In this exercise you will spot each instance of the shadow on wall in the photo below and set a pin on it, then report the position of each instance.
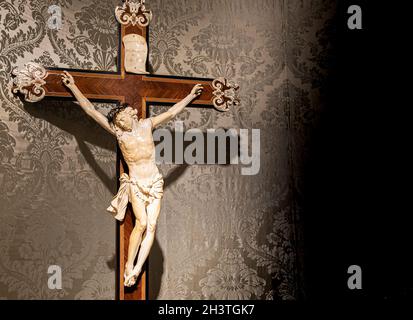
(68, 117)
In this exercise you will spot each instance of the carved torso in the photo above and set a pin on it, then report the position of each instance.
(138, 149)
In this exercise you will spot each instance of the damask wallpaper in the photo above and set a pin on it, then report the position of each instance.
(58, 169)
(221, 235)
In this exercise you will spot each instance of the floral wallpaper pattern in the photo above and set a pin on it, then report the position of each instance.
(220, 235)
(57, 169)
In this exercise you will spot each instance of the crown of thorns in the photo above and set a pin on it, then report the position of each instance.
(112, 113)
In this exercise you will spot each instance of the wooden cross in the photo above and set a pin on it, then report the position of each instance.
(34, 83)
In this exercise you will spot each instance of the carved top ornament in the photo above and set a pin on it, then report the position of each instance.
(29, 81)
(133, 13)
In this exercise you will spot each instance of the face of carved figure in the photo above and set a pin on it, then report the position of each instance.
(124, 119)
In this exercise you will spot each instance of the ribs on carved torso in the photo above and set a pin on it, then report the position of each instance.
(138, 150)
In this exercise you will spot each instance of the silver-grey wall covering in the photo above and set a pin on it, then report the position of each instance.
(221, 235)
(58, 168)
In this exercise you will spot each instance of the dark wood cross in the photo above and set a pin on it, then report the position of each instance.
(122, 87)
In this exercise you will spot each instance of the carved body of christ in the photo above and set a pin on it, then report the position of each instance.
(143, 187)
(134, 136)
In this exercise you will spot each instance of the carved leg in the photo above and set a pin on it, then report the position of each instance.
(136, 236)
(153, 210)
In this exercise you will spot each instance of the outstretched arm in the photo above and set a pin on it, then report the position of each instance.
(86, 105)
(177, 108)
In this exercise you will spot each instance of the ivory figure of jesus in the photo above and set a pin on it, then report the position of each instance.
(143, 186)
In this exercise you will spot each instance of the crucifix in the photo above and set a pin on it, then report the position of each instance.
(134, 86)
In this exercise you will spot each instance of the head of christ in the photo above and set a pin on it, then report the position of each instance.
(122, 117)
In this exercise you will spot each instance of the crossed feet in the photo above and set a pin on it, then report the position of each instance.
(131, 275)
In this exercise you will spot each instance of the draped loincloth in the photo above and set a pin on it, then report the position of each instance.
(147, 192)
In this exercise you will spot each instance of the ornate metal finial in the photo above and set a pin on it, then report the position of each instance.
(133, 13)
(225, 94)
(29, 81)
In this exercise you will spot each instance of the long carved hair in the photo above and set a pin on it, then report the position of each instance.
(112, 113)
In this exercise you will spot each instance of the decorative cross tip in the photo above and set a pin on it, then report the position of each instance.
(133, 13)
(29, 81)
(225, 94)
